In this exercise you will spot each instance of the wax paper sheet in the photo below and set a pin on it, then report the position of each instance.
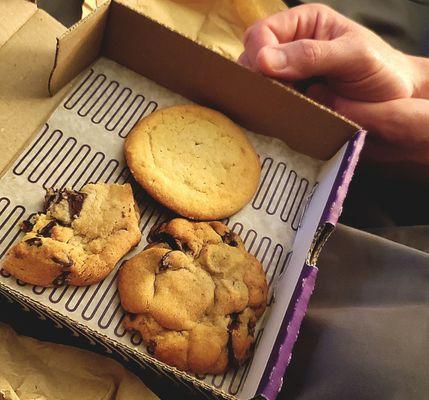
(31, 370)
(216, 24)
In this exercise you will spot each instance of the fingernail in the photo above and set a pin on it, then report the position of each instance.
(243, 60)
(275, 58)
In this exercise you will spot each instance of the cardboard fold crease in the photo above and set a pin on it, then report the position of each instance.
(163, 55)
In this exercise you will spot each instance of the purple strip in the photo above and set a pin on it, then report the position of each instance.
(272, 379)
(281, 354)
(334, 205)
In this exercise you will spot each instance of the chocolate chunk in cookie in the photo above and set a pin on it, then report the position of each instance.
(26, 226)
(46, 230)
(63, 277)
(52, 196)
(196, 306)
(34, 241)
(65, 203)
(231, 239)
(79, 238)
(75, 200)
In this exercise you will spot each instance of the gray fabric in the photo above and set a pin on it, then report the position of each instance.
(67, 12)
(416, 237)
(403, 23)
(367, 329)
(366, 333)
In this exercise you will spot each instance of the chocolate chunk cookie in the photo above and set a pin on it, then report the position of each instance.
(194, 161)
(78, 238)
(195, 295)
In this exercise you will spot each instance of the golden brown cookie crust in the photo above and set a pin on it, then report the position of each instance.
(195, 295)
(193, 160)
(79, 238)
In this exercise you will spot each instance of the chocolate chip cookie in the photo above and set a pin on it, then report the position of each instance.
(194, 161)
(195, 295)
(78, 238)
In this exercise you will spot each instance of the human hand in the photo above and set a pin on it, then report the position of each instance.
(364, 78)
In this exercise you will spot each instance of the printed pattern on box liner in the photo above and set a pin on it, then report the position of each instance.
(122, 353)
(82, 142)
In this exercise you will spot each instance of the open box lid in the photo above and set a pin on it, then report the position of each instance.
(153, 50)
(117, 32)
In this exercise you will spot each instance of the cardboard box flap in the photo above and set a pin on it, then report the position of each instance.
(63, 153)
(11, 20)
(163, 55)
(26, 60)
(77, 48)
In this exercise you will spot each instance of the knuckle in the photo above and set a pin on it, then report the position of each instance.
(260, 28)
(370, 56)
(253, 29)
(311, 51)
(261, 56)
(365, 50)
(258, 37)
(253, 33)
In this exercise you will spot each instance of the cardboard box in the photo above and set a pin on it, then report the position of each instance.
(184, 67)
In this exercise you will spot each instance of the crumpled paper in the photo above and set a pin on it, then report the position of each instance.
(34, 370)
(216, 24)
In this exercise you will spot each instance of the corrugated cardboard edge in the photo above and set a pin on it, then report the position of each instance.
(82, 55)
(281, 353)
(334, 205)
(88, 6)
(339, 191)
(275, 107)
(110, 343)
(162, 365)
(70, 60)
(274, 82)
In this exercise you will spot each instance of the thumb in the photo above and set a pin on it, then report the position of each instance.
(303, 59)
(398, 129)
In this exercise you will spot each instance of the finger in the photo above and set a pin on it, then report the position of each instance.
(305, 58)
(244, 60)
(398, 129)
(260, 36)
(308, 21)
(402, 122)
(379, 152)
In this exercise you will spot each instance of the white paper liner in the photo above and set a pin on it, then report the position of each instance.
(83, 142)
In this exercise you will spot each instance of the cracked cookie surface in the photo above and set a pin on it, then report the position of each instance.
(193, 160)
(195, 295)
(79, 237)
